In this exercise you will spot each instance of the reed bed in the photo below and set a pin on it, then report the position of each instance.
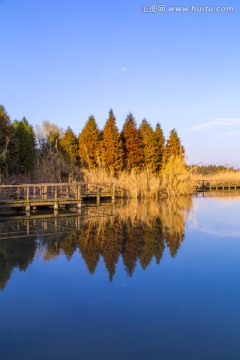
(222, 176)
(174, 180)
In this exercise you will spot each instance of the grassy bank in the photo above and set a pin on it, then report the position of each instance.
(174, 180)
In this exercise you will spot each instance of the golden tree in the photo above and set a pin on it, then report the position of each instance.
(161, 152)
(151, 150)
(132, 144)
(174, 146)
(89, 144)
(112, 147)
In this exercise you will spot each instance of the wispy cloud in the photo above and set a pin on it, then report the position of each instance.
(230, 233)
(214, 124)
(232, 133)
(124, 68)
(219, 233)
(103, 79)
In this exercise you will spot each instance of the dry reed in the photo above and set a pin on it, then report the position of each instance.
(174, 180)
(227, 175)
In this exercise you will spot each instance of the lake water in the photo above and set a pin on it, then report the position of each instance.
(140, 281)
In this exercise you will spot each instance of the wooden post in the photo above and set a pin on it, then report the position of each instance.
(55, 208)
(113, 192)
(78, 191)
(45, 225)
(79, 197)
(28, 208)
(45, 192)
(27, 193)
(98, 195)
(55, 193)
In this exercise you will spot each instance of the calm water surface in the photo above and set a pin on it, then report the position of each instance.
(145, 281)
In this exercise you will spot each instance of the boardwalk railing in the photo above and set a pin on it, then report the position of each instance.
(209, 185)
(33, 195)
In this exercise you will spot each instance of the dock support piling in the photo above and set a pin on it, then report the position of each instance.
(98, 196)
(28, 210)
(113, 192)
(79, 207)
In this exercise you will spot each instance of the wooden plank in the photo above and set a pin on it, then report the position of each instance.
(53, 194)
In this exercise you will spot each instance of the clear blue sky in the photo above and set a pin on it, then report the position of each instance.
(62, 61)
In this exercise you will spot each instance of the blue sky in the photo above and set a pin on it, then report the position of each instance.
(62, 61)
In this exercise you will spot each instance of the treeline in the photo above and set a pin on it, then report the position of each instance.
(48, 153)
(211, 169)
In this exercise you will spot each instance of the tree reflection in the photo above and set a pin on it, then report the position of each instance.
(139, 233)
(15, 253)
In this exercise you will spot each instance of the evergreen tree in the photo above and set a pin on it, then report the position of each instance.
(27, 145)
(69, 145)
(112, 147)
(132, 144)
(8, 146)
(5, 134)
(161, 146)
(152, 156)
(174, 146)
(89, 144)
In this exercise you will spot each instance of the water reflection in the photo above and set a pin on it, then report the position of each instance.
(136, 231)
(219, 218)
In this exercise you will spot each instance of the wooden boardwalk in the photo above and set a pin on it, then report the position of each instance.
(216, 185)
(32, 196)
